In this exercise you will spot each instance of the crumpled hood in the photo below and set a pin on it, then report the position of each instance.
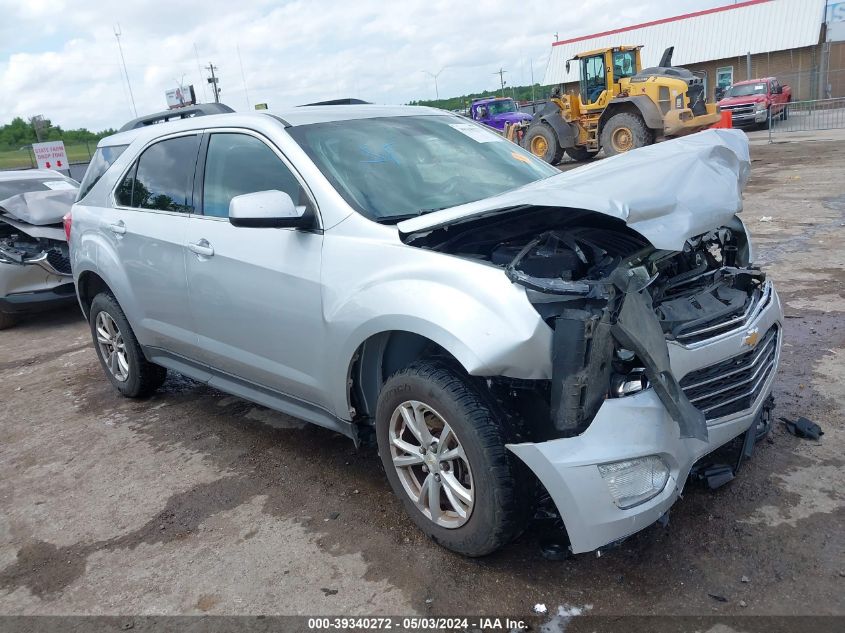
(40, 207)
(668, 192)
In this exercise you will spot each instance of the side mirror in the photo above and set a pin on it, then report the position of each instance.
(567, 66)
(268, 209)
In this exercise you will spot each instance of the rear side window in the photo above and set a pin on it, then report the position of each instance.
(104, 158)
(237, 164)
(162, 178)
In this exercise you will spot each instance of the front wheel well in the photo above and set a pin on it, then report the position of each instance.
(618, 108)
(377, 359)
(89, 285)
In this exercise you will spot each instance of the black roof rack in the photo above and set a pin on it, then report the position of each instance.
(346, 101)
(200, 109)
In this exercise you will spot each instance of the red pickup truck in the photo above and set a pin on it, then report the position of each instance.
(750, 102)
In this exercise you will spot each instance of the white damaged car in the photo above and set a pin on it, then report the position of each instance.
(503, 332)
(34, 265)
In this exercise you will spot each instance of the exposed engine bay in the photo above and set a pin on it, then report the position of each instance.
(17, 247)
(613, 300)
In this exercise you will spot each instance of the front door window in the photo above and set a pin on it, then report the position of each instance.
(592, 78)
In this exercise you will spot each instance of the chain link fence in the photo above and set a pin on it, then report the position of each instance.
(808, 116)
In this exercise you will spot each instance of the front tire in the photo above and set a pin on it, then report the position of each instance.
(580, 154)
(442, 443)
(624, 132)
(119, 352)
(7, 320)
(541, 140)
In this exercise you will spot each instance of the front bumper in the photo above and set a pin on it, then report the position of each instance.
(749, 118)
(31, 287)
(639, 426)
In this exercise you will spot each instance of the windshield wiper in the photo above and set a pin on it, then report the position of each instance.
(393, 219)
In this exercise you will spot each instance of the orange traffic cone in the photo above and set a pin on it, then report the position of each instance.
(726, 122)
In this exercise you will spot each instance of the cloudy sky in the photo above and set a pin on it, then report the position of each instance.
(61, 59)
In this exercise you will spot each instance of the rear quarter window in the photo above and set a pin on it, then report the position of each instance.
(104, 158)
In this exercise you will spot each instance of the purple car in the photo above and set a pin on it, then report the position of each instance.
(496, 111)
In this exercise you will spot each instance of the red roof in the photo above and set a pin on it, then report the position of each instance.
(729, 7)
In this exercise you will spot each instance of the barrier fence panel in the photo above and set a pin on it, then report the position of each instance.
(808, 116)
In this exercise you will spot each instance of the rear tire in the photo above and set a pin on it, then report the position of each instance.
(541, 140)
(580, 154)
(495, 494)
(118, 350)
(7, 320)
(624, 132)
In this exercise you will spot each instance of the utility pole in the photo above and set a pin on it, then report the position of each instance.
(117, 34)
(213, 81)
(501, 72)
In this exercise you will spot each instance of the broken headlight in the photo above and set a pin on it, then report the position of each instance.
(628, 376)
(628, 384)
(635, 481)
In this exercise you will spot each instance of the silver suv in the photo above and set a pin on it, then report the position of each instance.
(503, 332)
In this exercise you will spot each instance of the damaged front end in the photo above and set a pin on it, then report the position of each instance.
(665, 338)
(658, 356)
(35, 271)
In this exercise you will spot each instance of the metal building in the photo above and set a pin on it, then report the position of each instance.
(789, 39)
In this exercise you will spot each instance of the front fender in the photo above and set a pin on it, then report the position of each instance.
(470, 309)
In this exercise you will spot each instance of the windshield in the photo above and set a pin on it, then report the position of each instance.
(104, 157)
(744, 90)
(500, 107)
(392, 168)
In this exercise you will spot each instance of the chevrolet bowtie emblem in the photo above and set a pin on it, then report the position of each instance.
(751, 337)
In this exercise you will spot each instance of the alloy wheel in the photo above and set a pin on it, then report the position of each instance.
(431, 464)
(112, 347)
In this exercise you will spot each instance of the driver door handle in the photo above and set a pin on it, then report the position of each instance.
(118, 228)
(201, 248)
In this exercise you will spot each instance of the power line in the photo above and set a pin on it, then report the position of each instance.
(243, 75)
(117, 34)
(199, 70)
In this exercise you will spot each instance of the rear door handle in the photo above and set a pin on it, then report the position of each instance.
(201, 248)
(118, 228)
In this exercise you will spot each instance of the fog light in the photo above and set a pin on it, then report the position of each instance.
(635, 481)
(634, 381)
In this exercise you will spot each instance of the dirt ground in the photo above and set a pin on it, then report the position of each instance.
(197, 502)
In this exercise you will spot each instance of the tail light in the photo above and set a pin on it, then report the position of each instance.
(66, 222)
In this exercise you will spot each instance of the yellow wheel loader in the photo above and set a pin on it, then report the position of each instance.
(621, 106)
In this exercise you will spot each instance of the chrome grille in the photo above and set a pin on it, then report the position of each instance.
(743, 108)
(58, 261)
(733, 385)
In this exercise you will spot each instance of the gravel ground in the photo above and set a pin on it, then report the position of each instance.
(197, 502)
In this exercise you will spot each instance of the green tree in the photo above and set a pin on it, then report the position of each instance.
(520, 93)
